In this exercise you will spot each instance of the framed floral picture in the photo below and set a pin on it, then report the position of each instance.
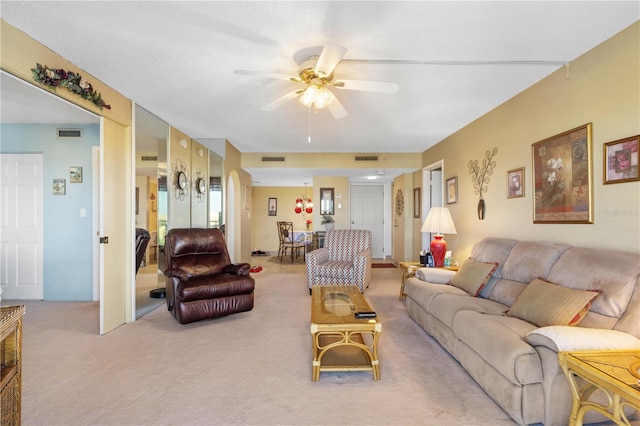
(620, 160)
(562, 174)
(515, 183)
(452, 190)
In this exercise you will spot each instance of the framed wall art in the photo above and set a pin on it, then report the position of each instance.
(452, 190)
(326, 201)
(563, 187)
(59, 187)
(620, 160)
(273, 206)
(75, 174)
(416, 202)
(515, 183)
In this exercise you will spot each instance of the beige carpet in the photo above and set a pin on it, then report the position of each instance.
(248, 368)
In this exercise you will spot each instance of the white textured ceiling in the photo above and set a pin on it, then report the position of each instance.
(177, 60)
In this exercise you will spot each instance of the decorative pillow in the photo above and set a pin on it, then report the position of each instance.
(543, 303)
(473, 275)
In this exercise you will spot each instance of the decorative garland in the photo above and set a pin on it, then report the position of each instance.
(53, 77)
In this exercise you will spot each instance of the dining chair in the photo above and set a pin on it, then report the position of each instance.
(287, 242)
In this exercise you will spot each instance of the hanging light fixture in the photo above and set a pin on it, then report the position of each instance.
(318, 96)
(304, 204)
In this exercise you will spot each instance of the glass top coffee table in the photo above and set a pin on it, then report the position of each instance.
(342, 342)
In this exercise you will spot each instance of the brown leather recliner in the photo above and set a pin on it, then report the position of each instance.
(202, 283)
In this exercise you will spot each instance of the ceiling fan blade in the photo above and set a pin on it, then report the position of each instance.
(368, 86)
(281, 100)
(337, 110)
(267, 75)
(330, 57)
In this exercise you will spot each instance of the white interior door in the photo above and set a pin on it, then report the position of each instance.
(21, 226)
(367, 212)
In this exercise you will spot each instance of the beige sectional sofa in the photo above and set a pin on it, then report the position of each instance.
(491, 334)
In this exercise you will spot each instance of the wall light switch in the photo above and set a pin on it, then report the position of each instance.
(83, 212)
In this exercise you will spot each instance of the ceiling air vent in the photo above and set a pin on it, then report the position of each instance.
(271, 159)
(69, 133)
(149, 158)
(366, 158)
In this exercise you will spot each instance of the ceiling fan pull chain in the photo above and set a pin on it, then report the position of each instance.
(309, 128)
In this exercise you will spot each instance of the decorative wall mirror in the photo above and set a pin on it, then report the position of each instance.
(326, 201)
(151, 136)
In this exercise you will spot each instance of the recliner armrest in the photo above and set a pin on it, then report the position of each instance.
(237, 269)
(178, 273)
(565, 338)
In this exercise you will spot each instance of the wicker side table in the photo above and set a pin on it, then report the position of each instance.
(10, 364)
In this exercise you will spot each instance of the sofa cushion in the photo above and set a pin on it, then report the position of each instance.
(615, 274)
(445, 307)
(531, 259)
(424, 292)
(500, 341)
(473, 275)
(544, 303)
(491, 249)
(334, 269)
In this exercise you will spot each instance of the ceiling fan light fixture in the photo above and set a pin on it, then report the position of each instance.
(318, 96)
(324, 97)
(309, 95)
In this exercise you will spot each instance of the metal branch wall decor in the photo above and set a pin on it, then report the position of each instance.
(480, 177)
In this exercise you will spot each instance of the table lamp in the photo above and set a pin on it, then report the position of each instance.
(439, 221)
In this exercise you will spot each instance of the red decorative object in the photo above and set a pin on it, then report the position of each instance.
(298, 210)
(438, 250)
(309, 210)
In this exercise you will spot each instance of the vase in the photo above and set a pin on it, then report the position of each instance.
(481, 208)
(328, 226)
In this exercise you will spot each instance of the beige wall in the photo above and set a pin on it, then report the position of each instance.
(340, 185)
(603, 89)
(264, 234)
(241, 221)
(179, 160)
(199, 169)
(264, 231)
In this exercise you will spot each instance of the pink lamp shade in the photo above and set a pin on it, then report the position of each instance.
(439, 221)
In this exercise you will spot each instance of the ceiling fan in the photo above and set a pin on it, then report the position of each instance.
(317, 74)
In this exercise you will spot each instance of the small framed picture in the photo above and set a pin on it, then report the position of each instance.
(416, 202)
(59, 187)
(75, 174)
(452, 190)
(273, 207)
(621, 160)
(515, 183)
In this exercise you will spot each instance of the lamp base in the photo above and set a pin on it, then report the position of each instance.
(438, 250)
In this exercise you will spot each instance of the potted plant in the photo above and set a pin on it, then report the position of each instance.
(328, 222)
